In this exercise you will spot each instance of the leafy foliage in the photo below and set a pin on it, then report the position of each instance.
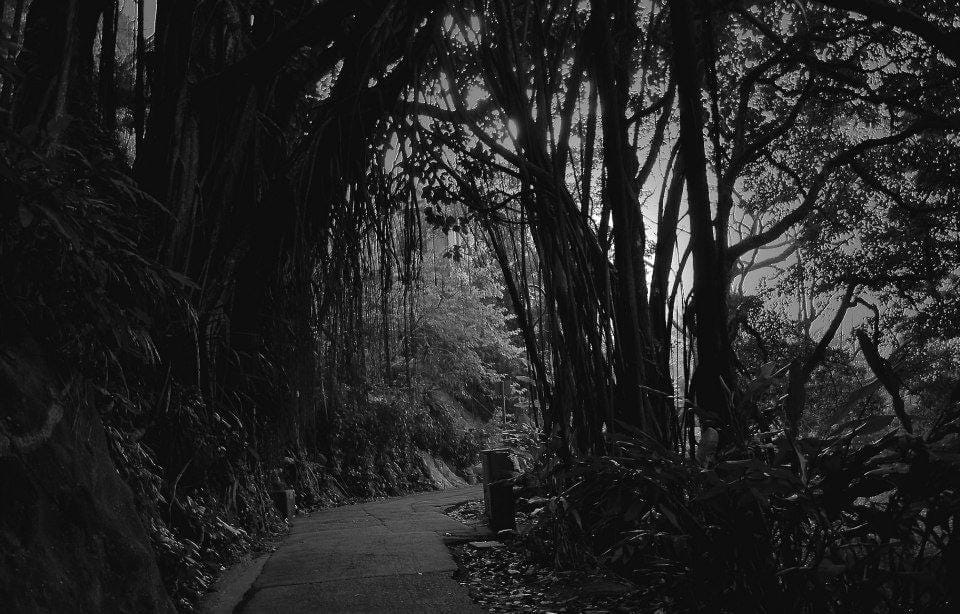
(460, 336)
(862, 519)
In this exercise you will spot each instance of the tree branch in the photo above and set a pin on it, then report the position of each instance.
(886, 375)
(946, 41)
(820, 180)
(816, 357)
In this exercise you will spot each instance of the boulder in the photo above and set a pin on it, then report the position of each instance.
(70, 536)
(439, 473)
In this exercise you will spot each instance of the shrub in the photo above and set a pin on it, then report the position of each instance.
(863, 520)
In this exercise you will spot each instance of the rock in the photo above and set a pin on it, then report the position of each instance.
(70, 536)
(439, 472)
(529, 504)
(470, 474)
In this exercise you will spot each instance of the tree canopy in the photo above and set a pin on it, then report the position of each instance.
(711, 249)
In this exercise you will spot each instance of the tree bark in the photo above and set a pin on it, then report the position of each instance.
(56, 97)
(108, 66)
(713, 378)
(523, 320)
(628, 228)
(139, 88)
(663, 259)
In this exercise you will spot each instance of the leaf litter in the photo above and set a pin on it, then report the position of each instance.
(508, 578)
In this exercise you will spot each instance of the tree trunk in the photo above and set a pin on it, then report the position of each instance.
(56, 95)
(713, 379)
(139, 88)
(523, 321)
(108, 67)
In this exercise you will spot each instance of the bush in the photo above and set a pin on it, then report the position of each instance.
(862, 520)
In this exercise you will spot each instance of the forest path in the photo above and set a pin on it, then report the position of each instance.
(382, 556)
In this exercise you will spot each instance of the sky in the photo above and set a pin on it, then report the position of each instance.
(128, 8)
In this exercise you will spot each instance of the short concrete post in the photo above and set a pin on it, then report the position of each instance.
(283, 500)
(498, 501)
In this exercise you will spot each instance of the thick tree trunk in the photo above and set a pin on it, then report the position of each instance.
(713, 380)
(643, 390)
(628, 228)
(575, 271)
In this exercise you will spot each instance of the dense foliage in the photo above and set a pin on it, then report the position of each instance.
(697, 262)
(859, 519)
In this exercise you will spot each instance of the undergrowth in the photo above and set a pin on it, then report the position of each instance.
(863, 519)
(81, 290)
(376, 441)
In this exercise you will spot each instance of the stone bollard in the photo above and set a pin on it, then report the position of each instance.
(283, 500)
(498, 471)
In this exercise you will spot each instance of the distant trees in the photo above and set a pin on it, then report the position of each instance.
(447, 328)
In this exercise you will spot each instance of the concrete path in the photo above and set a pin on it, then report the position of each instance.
(382, 556)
